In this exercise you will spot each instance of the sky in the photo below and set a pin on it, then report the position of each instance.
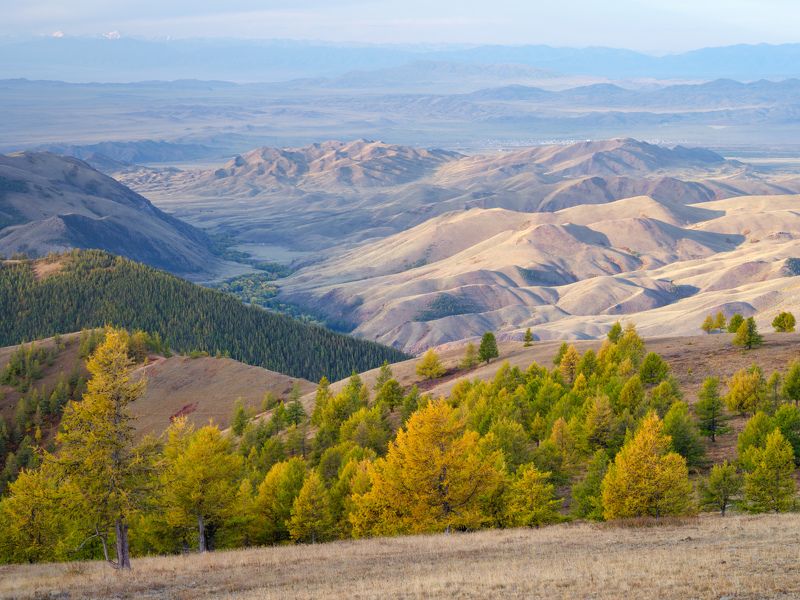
(651, 26)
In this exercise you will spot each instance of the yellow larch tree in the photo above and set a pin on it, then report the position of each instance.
(200, 482)
(96, 449)
(311, 519)
(646, 479)
(432, 479)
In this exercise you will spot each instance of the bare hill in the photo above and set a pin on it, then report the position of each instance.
(571, 273)
(50, 203)
(341, 193)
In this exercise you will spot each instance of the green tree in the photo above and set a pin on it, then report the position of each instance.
(295, 413)
(784, 322)
(562, 350)
(654, 369)
(747, 335)
(384, 375)
(528, 338)
(312, 520)
(599, 425)
(366, 428)
(632, 394)
(735, 322)
(588, 492)
(721, 488)
(787, 419)
(679, 426)
(430, 367)
(239, 419)
(754, 434)
(390, 395)
(275, 499)
(488, 348)
(615, 333)
(770, 485)
(709, 410)
(791, 383)
(719, 321)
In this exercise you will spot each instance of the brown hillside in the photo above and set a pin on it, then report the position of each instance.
(203, 389)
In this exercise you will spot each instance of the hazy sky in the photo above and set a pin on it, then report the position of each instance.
(658, 26)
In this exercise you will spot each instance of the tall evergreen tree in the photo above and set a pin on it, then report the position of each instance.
(709, 410)
(488, 348)
(528, 338)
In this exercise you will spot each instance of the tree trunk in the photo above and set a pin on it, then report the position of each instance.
(123, 546)
(201, 533)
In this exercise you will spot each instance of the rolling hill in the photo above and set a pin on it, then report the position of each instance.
(200, 388)
(50, 203)
(85, 289)
(570, 273)
(332, 194)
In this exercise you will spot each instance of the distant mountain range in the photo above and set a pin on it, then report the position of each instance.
(129, 59)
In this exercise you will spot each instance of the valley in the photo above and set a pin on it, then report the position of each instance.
(417, 248)
(444, 311)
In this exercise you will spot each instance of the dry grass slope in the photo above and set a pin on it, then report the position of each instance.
(736, 557)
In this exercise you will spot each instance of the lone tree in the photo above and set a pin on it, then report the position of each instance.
(528, 338)
(430, 367)
(709, 409)
(747, 335)
(784, 322)
(96, 449)
(488, 348)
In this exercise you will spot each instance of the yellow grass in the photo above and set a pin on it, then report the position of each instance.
(711, 557)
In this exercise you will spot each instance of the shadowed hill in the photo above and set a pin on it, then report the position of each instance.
(50, 203)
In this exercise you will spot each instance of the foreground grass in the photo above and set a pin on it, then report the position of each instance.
(710, 557)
